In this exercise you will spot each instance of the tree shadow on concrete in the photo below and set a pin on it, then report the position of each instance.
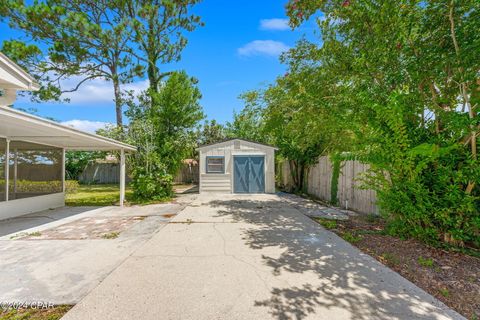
(338, 279)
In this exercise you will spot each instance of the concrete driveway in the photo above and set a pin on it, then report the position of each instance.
(253, 257)
(58, 256)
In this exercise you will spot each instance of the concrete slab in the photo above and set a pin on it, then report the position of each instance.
(10, 227)
(253, 257)
(64, 271)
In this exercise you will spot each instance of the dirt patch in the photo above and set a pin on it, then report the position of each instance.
(452, 277)
(86, 228)
(168, 215)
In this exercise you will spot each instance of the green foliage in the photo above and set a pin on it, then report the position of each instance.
(395, 86)
(390, 258)
(425, 262)
(77, 161)
(163, 127)
(158, 29)
(153, 185)
(327, 223)
(248, 123)
(211, 132)
(444, 292)
(351, 237)
(113, 40)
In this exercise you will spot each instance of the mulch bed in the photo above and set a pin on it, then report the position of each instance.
(452, 277)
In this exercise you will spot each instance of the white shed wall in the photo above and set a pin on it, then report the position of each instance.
(223, 183)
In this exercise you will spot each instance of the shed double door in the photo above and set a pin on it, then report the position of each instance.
(249, 174)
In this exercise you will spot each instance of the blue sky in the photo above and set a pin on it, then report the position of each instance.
(236, 50)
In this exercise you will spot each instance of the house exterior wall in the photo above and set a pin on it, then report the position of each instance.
(223, 183)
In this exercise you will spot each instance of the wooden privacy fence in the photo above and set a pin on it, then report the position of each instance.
(319, 184)
(101, 173)
(109, 173)
(187, 174)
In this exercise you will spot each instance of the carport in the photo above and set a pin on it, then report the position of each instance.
(32, 161)
(32, 150)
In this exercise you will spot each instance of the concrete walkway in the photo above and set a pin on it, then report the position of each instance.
(253, 257)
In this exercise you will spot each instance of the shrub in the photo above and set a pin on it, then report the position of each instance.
(155, 185)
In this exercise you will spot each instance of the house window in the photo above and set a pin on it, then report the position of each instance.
(215, 164)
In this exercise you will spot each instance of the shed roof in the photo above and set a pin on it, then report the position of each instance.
(230, 139)
(18, 125)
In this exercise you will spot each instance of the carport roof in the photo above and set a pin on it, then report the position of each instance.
(18, 125)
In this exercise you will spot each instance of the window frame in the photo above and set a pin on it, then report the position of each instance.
(214, 172)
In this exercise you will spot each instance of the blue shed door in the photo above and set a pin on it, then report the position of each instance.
(249, 174)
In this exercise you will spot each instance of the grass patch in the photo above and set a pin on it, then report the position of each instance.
(444, 292)
(390, 258)
(34, 234)
(425, 262)
(327, 223)
(99, 195)
(54, 313)
(351, 237)
(111, 235)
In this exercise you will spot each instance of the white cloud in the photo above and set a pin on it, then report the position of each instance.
(263, 47)
(86, 125)
(274, 24)
(97, 90)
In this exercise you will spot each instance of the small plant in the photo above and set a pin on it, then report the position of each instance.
(111, 235)
(390, 258)
(34, 234)
(425, 262)
(350, 237)
(327, 224)
(444, 292)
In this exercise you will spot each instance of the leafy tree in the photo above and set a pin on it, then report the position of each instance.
(405, 75)
(211, 132)
(158, 28)
(77, 161)
(163, 126)
(248, 123)
(83, 39)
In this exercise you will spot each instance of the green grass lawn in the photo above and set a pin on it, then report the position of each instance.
(97, 195)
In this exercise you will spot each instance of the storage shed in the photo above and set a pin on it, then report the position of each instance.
(237, 166)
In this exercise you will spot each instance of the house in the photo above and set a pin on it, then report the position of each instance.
(237, 166)
(32, 150)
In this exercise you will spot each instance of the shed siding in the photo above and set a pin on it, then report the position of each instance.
(223, 183)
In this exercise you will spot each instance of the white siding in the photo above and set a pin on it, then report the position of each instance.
(223, 183)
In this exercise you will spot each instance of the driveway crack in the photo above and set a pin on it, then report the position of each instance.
(255, 269)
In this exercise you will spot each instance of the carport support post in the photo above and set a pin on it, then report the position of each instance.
(7, 169)
(63, 170)
(122, 177)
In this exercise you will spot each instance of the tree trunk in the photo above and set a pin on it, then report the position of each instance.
(118, 101)
(293, 172)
